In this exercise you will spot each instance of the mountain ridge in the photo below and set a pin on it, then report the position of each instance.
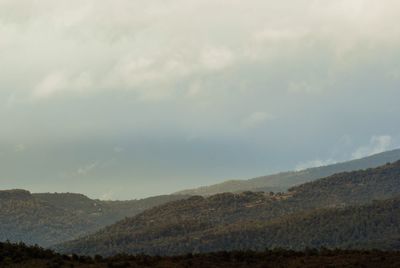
(187, 226)
(50, 218)
(282, 181)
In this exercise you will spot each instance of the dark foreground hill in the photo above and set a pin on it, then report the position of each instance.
(13, 255)
(334, 212)
(46, 219)
(285, 180)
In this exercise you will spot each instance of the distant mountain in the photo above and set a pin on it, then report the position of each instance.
(255, 220)
(285, 180)
(46, 219)
(103, 212)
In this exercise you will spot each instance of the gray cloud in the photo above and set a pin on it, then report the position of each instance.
(377, 144)
(201, 90)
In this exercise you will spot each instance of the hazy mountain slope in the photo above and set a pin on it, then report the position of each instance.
(47, 219)
(183, 226)
(25, 218)
(283, 181)
(103, 212)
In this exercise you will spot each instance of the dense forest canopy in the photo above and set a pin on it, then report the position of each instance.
(252, 220)
(20, 255)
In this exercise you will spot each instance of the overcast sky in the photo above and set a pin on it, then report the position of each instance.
(131, 98)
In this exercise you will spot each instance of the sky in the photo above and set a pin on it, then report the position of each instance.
(127, 99)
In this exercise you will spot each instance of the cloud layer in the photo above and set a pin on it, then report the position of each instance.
(215, 88)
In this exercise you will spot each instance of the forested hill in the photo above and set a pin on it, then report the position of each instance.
(201, 224)
(46, 219)
(20, 255)
(373, 226)
(283, 181)
(104, 212)
(28, 219)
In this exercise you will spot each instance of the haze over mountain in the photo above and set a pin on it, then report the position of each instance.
(285, 180)
(351, 209)
(169, 127)
(47, 219)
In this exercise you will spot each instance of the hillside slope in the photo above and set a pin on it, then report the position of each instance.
(370, 226)
(360, 227)
(101, 211)
(189, 225)
(46, 219)
(19, 255)
(283, 181)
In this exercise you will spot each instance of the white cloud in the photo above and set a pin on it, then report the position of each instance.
(377, 144)
(118, 149)
(214, 58)
(273, 35)
(304, 87)
(60, 82)
(10, 101)
(20, 148)
(146, 76)
(314, 163)
(194, 90)
(256, 119)
(152, 45)
(50, 85)
(394, 74)
(87, 168)
(110, 195)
